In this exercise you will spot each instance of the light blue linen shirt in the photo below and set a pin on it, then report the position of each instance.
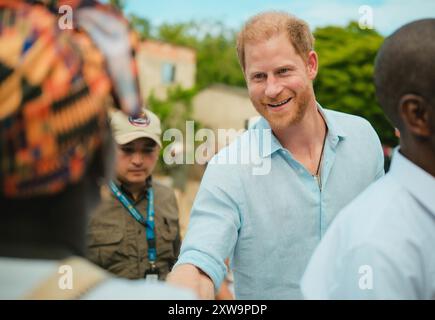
(269, 218)
(381, 246)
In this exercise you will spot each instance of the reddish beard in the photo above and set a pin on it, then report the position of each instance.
(294, 114)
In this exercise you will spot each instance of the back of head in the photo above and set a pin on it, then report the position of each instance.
(56, 144)
(268, 24)
(53, 119)
(405, 65)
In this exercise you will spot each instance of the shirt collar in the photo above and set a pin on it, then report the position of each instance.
(414, 179)
(335, 133)
(334, 129)
(142, 195)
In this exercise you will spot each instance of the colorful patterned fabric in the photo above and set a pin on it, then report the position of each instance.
(112, 37)
(53, 89)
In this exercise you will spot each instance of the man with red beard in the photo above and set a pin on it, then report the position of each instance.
(269, 222)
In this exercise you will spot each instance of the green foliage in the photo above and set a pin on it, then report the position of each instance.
(215, 47)
(164, 108)
(120, 4)
(173, 113)
(345, 78)
(178, 33)
(141, 25)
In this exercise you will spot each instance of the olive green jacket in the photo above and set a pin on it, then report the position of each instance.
(117, 242)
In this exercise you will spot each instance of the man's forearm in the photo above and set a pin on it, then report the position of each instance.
(188, 275)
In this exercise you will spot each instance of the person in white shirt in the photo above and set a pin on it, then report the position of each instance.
(381, 246)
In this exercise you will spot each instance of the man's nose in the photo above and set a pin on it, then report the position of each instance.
(137, 158)
(273, 87)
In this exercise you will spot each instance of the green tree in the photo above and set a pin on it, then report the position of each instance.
(215, 47)
(173, 113)
(345, 79)
(141, 25)
(120, 4)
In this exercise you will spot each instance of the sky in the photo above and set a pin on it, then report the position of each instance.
(388, 15)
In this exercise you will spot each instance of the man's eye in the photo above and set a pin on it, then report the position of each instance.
(259, 76)
(283, 70)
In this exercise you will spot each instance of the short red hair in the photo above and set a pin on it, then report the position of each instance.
(268, 24)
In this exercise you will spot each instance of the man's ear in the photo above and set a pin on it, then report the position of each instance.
(415, 115)
(312, 64)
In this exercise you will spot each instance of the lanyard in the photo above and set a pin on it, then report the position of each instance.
(148, 222)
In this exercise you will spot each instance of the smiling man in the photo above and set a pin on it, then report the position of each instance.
(134, 233)
(320, 160)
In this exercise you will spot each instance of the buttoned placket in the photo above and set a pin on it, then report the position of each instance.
(317, 186)
(311, 181)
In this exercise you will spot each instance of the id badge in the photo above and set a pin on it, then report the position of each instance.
(152, 275)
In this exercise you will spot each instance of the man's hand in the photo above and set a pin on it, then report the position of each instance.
(189, 276)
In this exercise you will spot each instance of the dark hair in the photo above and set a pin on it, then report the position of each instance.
(405, 65)
(150, 143)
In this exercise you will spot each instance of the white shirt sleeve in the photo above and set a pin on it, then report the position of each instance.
(124, 289)
(363, 272)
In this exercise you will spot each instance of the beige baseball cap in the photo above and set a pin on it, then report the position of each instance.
(126, 129)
